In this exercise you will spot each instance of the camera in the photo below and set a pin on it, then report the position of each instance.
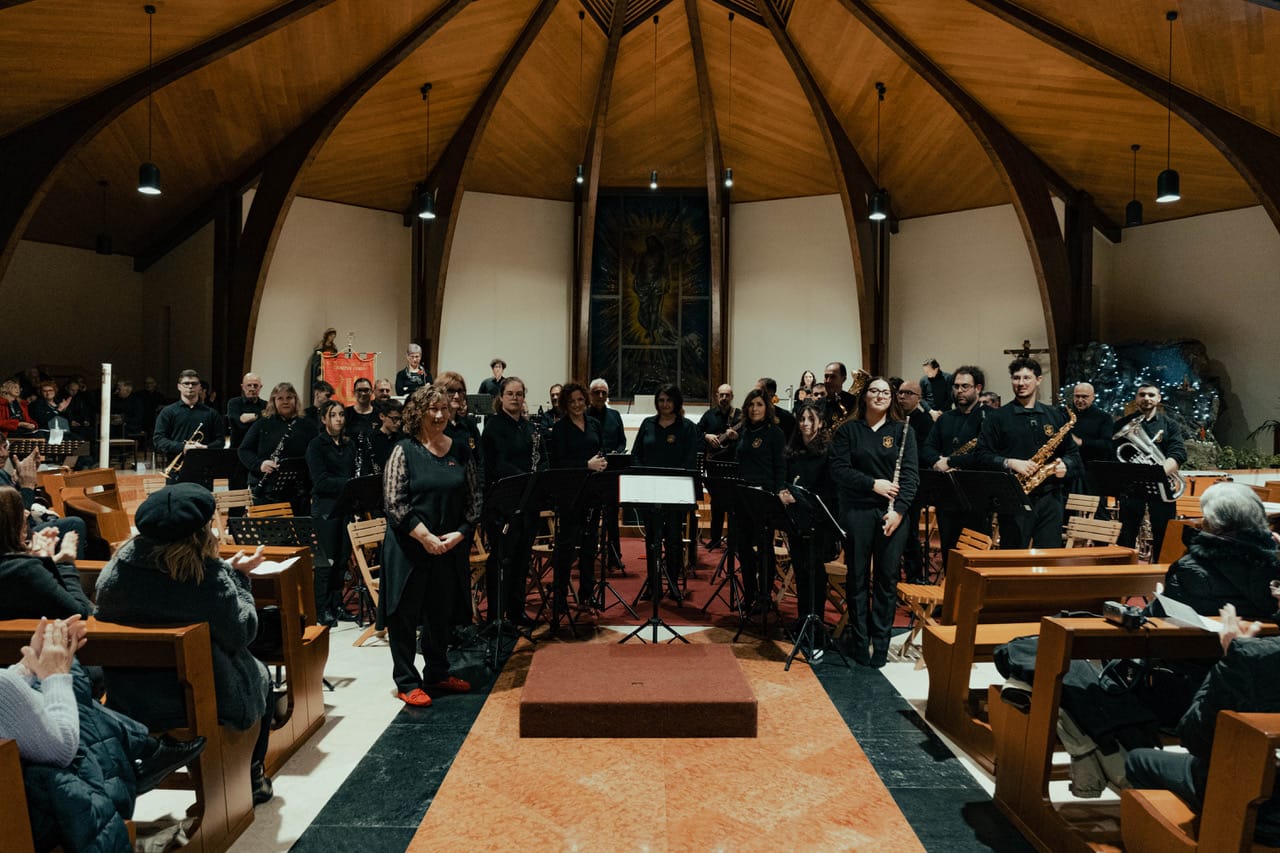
(1124, 615)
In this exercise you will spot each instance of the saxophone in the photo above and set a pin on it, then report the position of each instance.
(1043, 470)
(967, 447)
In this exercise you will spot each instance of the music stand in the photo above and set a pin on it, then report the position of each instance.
(360, 496)
(991, 491)
(724, 476)
(507, 502)
(205, 466)
(558, 490)
(765, 513)
(291, 479)
(656, 489)
(1127, 479)
(807, 515)
(939, 490)
(600, 493)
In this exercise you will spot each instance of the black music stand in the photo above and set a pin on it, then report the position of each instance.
(600, 494)
(205, 466)
(1127, 479)
(291, 479)
(724, 476)
(939, 490)
(765, 513)
(991, 491)
(508, 502)
(807, 515)
(558, 490)
(657, 489)
(360, 496)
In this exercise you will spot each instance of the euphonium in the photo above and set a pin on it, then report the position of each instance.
(1139, 447)
(176, 465)
(1044, 456)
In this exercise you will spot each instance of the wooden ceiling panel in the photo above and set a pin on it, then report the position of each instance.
(768, 133)
(379, 151)
(55, 52)
(930, 162)
(633, 144)
(1080, 121)
(1226, 50)
(537, 135)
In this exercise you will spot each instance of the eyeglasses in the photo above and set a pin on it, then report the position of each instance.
(188, 384)
(962, 386)
(878, 392)
(905, 393)
(455, 390)
(598, 392)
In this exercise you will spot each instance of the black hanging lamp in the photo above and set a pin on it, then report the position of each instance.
(149, 172)
(880, 200)
(1167, 189)
(582, 173)
(1133, 210)
(427, 200)
(653, 173)
(728, 171)
(102, 243)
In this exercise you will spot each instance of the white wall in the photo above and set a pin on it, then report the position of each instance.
(72, 308)
(793, 302)
(1214, 278)
(334, 265)
(962, 290)
(508, 291)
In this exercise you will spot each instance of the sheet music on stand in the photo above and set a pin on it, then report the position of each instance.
(656, 489)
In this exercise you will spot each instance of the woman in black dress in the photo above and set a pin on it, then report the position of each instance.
(666, 440)
(431, 490)
(761, 463)
(875, 473)
(575, 443)
(331, 462)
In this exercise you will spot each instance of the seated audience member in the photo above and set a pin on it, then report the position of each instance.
(128, 416)
(80, 405)
(23, 480)
(170, 574)
(152, 402)
(29, 383)
(1244, 680)
(15, 419)
(46, 411)
(1231, 559)
(39, 579)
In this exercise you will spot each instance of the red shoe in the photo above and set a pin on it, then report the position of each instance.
(416, 698)
(452, 684)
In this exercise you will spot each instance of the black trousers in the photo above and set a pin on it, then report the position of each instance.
(1039, 528)
(755, 557)
(1131, 510)
(808, 556)
(426, 605)
(518, 548)
(332, 535)
(872, 561)
(575, 539)
(719, 503)
(912, 552)
(950, 525)
(663, 537)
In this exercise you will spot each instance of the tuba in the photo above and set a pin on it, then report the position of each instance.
(1137, 446)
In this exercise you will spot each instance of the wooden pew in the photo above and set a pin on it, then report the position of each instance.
(305, 647)
(958, 558)
(13, 801)
(1025, 741)
(985, 594)
(220, 778)
(1242, 773)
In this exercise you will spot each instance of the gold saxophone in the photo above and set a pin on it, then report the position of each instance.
(967, 447)
(1043, 470)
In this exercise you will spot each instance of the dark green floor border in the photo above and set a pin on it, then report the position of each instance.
(381, 804)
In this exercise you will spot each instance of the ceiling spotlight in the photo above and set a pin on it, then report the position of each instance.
(582, 175)
(728, 177)
(653, 179)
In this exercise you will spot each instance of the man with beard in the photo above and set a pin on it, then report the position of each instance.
(1165, 433)
(839, 402)
(952, 443)
(719, 426)
(1092, 434)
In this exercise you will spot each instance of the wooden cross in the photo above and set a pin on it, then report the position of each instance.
(1026, 351)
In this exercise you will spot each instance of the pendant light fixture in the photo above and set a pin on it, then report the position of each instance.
(149, 172)
(1133, 210)
(102, 243)
(728, 171)
(653, 173)
(582, 114)
(1167, 183)
(427, 201)
(880, 200)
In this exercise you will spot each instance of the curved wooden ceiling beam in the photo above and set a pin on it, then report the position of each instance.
(446, 177)
(1026, 176)
(31, 157)
(856, 186)
(281, 173)
(717, 198)
(1252, 150)
(590, 194)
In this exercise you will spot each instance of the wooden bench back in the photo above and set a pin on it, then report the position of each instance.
(13, 800)
(1024, 593)
(959, 558)
(1087, 531)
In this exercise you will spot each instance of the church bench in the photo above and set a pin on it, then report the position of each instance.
(958, 558)
(1242, 772)
(13, 800)
(985, 597)
(305, 647)
(220, 776)
(1025, 741)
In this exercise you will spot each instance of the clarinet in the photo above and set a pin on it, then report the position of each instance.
(535, 442)
(364, 450)
(266, 483)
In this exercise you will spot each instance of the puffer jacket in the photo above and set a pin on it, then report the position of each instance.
(83, 806)
(1217, 570)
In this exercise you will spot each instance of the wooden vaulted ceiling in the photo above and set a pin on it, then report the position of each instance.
(211, 126)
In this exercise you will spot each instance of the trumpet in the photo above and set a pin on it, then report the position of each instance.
(176, 465)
